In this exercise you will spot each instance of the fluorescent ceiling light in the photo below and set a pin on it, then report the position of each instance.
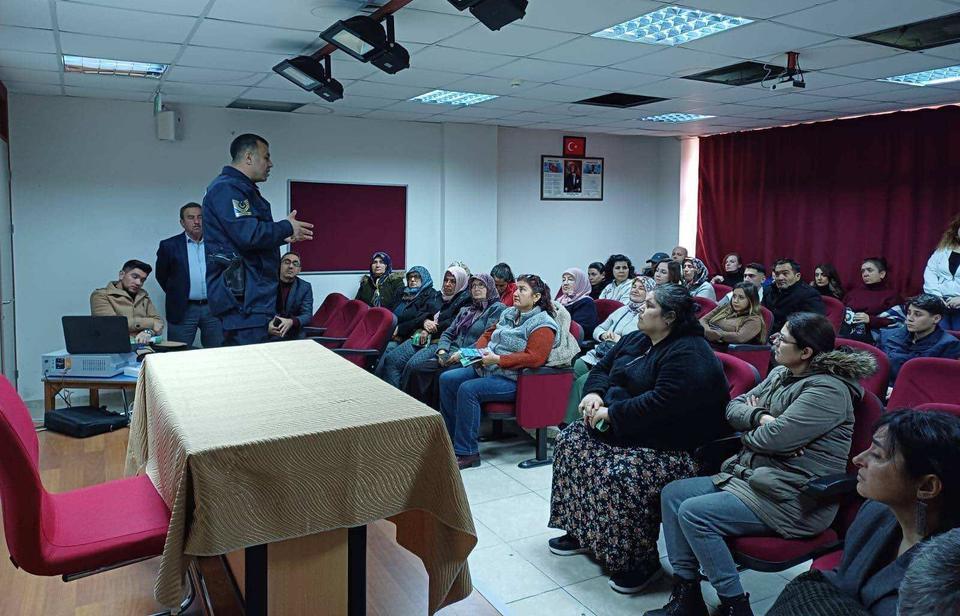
(927, 78)
(101, 66)
(672, 25)
(445, 97)
(676, 118)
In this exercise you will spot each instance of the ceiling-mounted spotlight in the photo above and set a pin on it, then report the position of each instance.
(364, 38)
(494, 14)
(309, 74)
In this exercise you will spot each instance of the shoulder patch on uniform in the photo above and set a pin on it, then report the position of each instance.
(241, 208)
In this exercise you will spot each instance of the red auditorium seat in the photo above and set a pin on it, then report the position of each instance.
(706, 305)
(835, 311)
(606, 307)
(76, 533)
(341, 323)
(368, 338)
(926, 379)
(331, 304)
(720, 289)
(876, 383)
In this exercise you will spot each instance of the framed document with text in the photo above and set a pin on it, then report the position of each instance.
(571, 179)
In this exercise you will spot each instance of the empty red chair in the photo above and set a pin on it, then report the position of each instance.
(331, 304)
(706, 305)
(720, 289)
(541, 402)
(877, 382)
(926, 379)
(771, 554)
(606, 307)
(741, 376)
(368, 338)
(76, 533)
(341, 323)
(953, 409)
(835, 311)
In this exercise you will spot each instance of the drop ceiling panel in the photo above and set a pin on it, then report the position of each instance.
(758, 39)
(610, 79)
(592, 51)
(383, 90)
(90, 19)
(230, 59)
(109, 82)
(124, 95)
(416, 76)
(755, 9)
(835, 53)
(20, 74)
(458, 60)
(230, 35)
(27, 13)
(895, 65)
(175, 7)
(204, 89)
(27, 39)
(190, 74)
(517, 40)
(676, 62)
(117, 48)
(853, 17)
(285, 95)
(538, 70)
(585, 17)
(560, 93)
(490, 85)
(425, 27)
(679, 88)
(197, 99)
(26, 87)
(293, 14)
(29, 60)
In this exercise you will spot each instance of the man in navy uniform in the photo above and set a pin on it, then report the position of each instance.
(182, 273)
(242, 240)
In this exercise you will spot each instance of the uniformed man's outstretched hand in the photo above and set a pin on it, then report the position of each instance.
(301, 230)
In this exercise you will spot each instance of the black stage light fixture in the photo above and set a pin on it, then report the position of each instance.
(304, 71)
(494, 14)
(364, 38)
(329, 89)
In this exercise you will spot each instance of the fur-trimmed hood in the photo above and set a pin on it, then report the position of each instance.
(847, 364)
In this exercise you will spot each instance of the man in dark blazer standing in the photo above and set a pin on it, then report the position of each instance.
(294, 301)
(182, 274)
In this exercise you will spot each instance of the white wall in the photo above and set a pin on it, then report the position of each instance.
(637, 217)
(93, 187)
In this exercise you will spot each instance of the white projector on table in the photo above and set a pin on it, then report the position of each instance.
(99, 365)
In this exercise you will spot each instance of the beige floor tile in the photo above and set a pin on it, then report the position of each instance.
(597, 596)
(488, 482)
(555, 603)
(502, 571)
(514, 517)
(564, 570)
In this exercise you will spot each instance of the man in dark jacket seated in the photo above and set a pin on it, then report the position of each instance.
(920, 336)
(294, 301)
(789, 294)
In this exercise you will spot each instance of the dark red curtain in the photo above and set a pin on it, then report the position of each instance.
(833, 192)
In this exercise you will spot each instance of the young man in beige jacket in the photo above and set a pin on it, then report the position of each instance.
(125, 297)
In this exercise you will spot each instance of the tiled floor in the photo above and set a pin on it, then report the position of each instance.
(512, 567)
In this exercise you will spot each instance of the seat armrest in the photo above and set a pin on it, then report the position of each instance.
(544, 371)
(830, 487)
(713, 454)
(326, 339)
(749, 347)
(587, 345)
(314, 331)
(369, 352)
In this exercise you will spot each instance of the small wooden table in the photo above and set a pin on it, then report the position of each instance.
(52, 385)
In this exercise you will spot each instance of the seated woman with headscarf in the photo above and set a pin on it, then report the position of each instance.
(697, 279)
(574, 295)
(621, 322)
(523, 338)
(648, 404)
(418, 301)
(738, 321)
(420, 377)
(382, 286)
(453, 297)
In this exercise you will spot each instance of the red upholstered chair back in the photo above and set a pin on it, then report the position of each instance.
(835, 310)
(878, 381)
(577, 331)
(741, 376)
(866, 412)
(372, 332)
(331, 304)
(720, 289)
(954, 332)
(343, 321)
(953, 409)
(926, 379)
(706, 305)
(606, 307)
(767, 321)
(21, 491)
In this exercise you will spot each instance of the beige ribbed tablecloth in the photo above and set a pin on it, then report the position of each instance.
(251, 445)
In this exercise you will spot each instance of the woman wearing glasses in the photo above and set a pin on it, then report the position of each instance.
(797, 424)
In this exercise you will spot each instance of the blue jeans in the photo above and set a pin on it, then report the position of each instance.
(197, 316)
(951, 319)
(391, 365)
(462, 391)
(697, 516)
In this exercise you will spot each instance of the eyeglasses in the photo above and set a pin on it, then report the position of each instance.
(780, 339)
(293, 263)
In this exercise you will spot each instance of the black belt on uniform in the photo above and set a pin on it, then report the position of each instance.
(197, 302)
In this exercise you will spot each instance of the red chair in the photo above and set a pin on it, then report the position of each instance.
(877, 382)
(605, 307)
(835, 311)
(926, 379)
(954, 332)
(577, 331)
(331, 304)
(953, 409)
(771, 554)
(741, 376)
(706, 305)
(757, 355)
(541, 403)
(720, 289)
(76, 533)
(341, 323)
(369, 338)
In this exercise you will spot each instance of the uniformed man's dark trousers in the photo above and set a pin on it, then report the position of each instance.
(248, 335)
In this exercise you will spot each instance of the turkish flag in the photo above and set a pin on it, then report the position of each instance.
(574, 146)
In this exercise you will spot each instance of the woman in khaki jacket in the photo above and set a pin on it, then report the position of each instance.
(125, 297)
(797, 425)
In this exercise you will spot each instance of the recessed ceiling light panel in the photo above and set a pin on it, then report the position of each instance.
(447, 97)
(672, 25)
(676, 118)
(927, 78)
(121, 68)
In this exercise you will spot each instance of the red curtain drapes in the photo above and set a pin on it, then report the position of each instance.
(833, 192)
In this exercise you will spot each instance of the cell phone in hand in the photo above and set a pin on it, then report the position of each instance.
(277, 322)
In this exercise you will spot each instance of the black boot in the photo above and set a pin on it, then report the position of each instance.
(735, 606)
(685, 600)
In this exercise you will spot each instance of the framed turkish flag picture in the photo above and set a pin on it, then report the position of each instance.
(574, 146)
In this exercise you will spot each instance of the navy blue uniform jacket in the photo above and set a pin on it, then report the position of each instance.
(173, 274)
(238, 226)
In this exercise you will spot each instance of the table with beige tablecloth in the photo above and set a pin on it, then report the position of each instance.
(258, 444)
